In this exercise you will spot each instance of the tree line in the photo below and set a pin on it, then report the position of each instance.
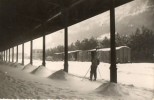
(140, 42)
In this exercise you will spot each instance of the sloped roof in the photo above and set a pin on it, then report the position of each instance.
(23, 20)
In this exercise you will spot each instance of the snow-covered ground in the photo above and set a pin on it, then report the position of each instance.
(135, 81)
(137, 74)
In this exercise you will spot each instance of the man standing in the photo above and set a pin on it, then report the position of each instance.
(94, 63)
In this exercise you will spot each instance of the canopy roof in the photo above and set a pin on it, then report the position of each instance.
(24, 20)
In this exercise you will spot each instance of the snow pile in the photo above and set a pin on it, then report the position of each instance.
(9, 63)
(14, 64)
(17, 65)
(62, 75)
(59, 75)
(29, 68)
(42, 71)
(112, 89)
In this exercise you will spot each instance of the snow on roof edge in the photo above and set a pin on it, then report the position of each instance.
(102, 49)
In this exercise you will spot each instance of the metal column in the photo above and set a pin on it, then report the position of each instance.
(9, 55)
(65, 15)
(31, 52)
(43, 56)
(13, 54)
(113, 68)
(23, 54)
(17, 54)
(3, 55)
(6, 55)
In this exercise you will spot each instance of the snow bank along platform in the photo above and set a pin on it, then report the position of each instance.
(17, 83)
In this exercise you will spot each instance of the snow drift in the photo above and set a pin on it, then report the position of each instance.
(42, 71)
(10, 63)
(62, 75)
(29, 68)
(59, 75)
(112, 89)
(14, 83)
(115, 91)
(17, 65)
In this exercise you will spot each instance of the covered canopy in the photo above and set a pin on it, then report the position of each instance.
(24, 20)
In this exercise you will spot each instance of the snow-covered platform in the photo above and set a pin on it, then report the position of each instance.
(17, 83)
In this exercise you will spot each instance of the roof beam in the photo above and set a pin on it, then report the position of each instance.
(58, 14)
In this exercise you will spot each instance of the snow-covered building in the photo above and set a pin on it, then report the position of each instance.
(84, 56)
(58, 56)
(123, 54)
(72, 55)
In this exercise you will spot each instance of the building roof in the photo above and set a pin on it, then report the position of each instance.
(108, 49)
(68, 52)
(24, 20)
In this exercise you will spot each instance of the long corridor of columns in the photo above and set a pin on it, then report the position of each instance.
(65, 13)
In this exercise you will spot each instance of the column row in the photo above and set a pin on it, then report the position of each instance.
(65, 14)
